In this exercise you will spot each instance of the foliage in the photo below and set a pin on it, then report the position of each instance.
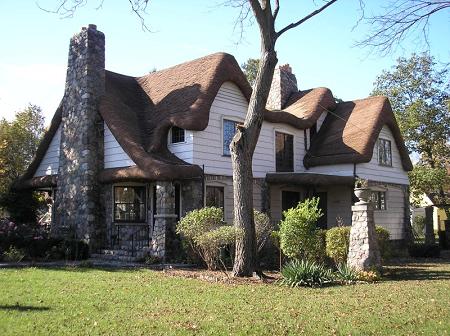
(20, 136)
(429, 181)
(305, 273)
(263, 228)
(298, 232)
(337, 244)
(338, 241)
(419, 95)
(369, 276)
(346, 274)
(383, 242)
(22, 205)
(207, 235)
(13, 254)
(422, 250)
(418, 226)
(250, 69)
(361, 182)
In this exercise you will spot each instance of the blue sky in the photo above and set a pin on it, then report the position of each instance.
(33, 55)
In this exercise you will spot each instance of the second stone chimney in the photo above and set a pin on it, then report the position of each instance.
(284, 84)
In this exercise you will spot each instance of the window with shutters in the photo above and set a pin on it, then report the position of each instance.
(284, 152)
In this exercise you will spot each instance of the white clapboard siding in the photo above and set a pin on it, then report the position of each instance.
(374, 171)
(392, 218)
(183, 150)
(339, 204)
(337, 169)
(231, 104)
(115, 156)
(50, 162)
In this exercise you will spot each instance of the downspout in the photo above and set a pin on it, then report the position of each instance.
(203, 184)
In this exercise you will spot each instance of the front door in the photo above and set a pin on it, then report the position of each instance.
(289, 199)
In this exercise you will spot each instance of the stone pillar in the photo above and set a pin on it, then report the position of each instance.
(363, 250)
(429, 229)
(78, 208)
(283, 85)
(165, 218)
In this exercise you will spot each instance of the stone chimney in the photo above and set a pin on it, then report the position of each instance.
(284, 84)
(78, 208)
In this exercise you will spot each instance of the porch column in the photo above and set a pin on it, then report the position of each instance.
(363, 250)
(165, 217)
(429, 230)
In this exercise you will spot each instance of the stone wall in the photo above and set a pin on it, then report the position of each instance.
(79, 211)
(191, 195)
(284, 84)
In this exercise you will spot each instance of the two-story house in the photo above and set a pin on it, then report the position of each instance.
(125, 157)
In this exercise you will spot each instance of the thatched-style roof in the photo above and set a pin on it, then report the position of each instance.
(139, 111)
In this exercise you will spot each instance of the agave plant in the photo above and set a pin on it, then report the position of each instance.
(305, 273)
(346, 274)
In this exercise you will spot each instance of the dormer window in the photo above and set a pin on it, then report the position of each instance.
(284, 151)
(384, 152)
(177, 135)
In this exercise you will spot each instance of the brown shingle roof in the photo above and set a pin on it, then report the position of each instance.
(140, 111)
(349, 133)
(303, 108)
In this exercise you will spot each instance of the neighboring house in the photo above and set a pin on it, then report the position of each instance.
(126, 157)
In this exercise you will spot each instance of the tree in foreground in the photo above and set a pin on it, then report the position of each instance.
(420, 97)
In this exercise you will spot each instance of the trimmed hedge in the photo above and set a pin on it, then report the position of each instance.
(338, 241)
(424, 250)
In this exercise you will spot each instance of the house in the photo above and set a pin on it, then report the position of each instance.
(125, 157)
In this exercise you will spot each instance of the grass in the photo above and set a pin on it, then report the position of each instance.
(414, 300)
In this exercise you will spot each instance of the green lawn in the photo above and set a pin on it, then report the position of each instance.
(414, 300)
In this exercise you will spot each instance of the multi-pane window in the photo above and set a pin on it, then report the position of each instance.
(229, 130)
(177, 135)
(384, 152)
(284, 151)
(378, 199)
(215, 196)
(129, 204)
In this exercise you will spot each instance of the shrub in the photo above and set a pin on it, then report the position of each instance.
(14, 254)
(337, 244)
(424, 250)
(298, 233)
(346, 274)
(338, 241)
(263, 228)
(383, 242)
(206, 233)
(305, 273)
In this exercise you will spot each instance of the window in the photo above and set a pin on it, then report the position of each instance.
(229, 130)
(129, 204)
(378, 199)
(384, 152)
(215, 197)
(284, 151)
(177, 135)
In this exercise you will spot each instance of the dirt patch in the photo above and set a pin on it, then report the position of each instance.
(220, 276)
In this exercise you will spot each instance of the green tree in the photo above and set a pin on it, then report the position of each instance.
(419, 95)
(250, 69)
(19, 140)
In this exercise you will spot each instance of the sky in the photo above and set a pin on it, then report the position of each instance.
(34, 48)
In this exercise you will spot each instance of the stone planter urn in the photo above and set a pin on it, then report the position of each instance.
(363, 195)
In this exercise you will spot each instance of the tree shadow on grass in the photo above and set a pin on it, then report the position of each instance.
(419, 271)
(21, 308)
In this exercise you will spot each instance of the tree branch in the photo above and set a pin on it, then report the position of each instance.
(307, 17)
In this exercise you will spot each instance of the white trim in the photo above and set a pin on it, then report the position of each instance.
(169, 137)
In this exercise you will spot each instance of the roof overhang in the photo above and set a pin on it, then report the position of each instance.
(309, 179)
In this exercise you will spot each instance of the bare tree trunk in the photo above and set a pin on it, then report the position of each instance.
(242, 149)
